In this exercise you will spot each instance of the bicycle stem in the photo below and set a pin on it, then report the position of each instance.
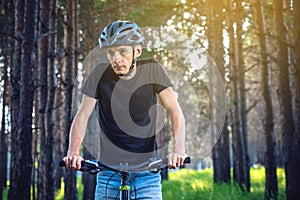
(124, 188)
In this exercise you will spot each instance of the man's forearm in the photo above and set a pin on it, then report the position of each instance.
(77, 134)
(178, 124)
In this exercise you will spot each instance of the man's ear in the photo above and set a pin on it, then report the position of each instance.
(138, 50)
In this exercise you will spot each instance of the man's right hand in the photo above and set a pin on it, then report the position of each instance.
(73, 161)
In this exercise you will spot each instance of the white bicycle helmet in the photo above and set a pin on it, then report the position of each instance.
(121, 33)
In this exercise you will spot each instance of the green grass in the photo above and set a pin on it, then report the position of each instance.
(60, 193)
(198, 185)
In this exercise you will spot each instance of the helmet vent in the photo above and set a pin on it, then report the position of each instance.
(125, 29)
(120, 24)
(121, 38)
(135, 37)
(111, 32)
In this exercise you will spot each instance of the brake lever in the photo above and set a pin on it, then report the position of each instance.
(88, 165)
(157, 165)
(157, 162)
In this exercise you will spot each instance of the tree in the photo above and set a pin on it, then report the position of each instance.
(6, 46)
(51, 97)
(239, 132)
(242, 91)
(220, 152)
(20, 183)
(268, 121)
(285, 98)
(68, 75)
(293, 140)
(46, 103)
(59, 110)
(15, 74)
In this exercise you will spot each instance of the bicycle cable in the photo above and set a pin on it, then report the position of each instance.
(106, 185)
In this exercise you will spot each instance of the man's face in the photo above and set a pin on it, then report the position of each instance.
(120, 58)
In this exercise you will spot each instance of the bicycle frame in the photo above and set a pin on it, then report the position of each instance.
(124, 188)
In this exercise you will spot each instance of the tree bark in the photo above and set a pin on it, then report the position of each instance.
(285, 98)
(238, 141)
(20, 184)
(271, 190)
(15, 75)
(49, 161)
(42, 86)
(242, 92)
(293, 159)
(5, 47)
(221, 158)
(58, 114)
(68, 74)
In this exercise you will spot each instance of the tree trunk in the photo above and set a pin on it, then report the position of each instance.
(293, 159)
(20, 184)
(5, 53)
(242, 92)
(49, 161)
(221, 159)
(268, 121)
(58, 114)
(15, 75)
(238, 141)
(42, 83)
(285, 97)
(70, 178)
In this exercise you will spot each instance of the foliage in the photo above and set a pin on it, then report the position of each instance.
(152, 13)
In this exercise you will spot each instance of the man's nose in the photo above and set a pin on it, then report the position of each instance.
(116, 56)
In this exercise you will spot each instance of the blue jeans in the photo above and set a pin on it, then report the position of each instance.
(143, 185)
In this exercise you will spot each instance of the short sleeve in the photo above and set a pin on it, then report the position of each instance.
(91, 85)
(162, 80)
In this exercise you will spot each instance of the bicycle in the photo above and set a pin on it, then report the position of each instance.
(95, 166)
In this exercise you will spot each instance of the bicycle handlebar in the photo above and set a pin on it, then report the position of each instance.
(94, 166)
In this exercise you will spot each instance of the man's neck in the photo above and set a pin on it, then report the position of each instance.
(132, 74)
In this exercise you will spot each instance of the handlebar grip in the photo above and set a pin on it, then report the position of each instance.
(62, 163)
(187, 160)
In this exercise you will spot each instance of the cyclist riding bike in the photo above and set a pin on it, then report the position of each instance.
(125, 94)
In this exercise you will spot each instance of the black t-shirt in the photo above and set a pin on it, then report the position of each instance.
(127, 111)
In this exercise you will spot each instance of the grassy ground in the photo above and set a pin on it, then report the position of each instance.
(198, 185)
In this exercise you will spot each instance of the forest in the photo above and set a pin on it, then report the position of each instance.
(234, 64)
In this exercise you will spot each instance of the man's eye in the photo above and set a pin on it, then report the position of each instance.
(123, 51)
(110, 53)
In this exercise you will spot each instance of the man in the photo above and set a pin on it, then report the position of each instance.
(125, 94)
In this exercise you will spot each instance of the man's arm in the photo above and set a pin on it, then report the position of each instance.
(77, 132)
(170, 103)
